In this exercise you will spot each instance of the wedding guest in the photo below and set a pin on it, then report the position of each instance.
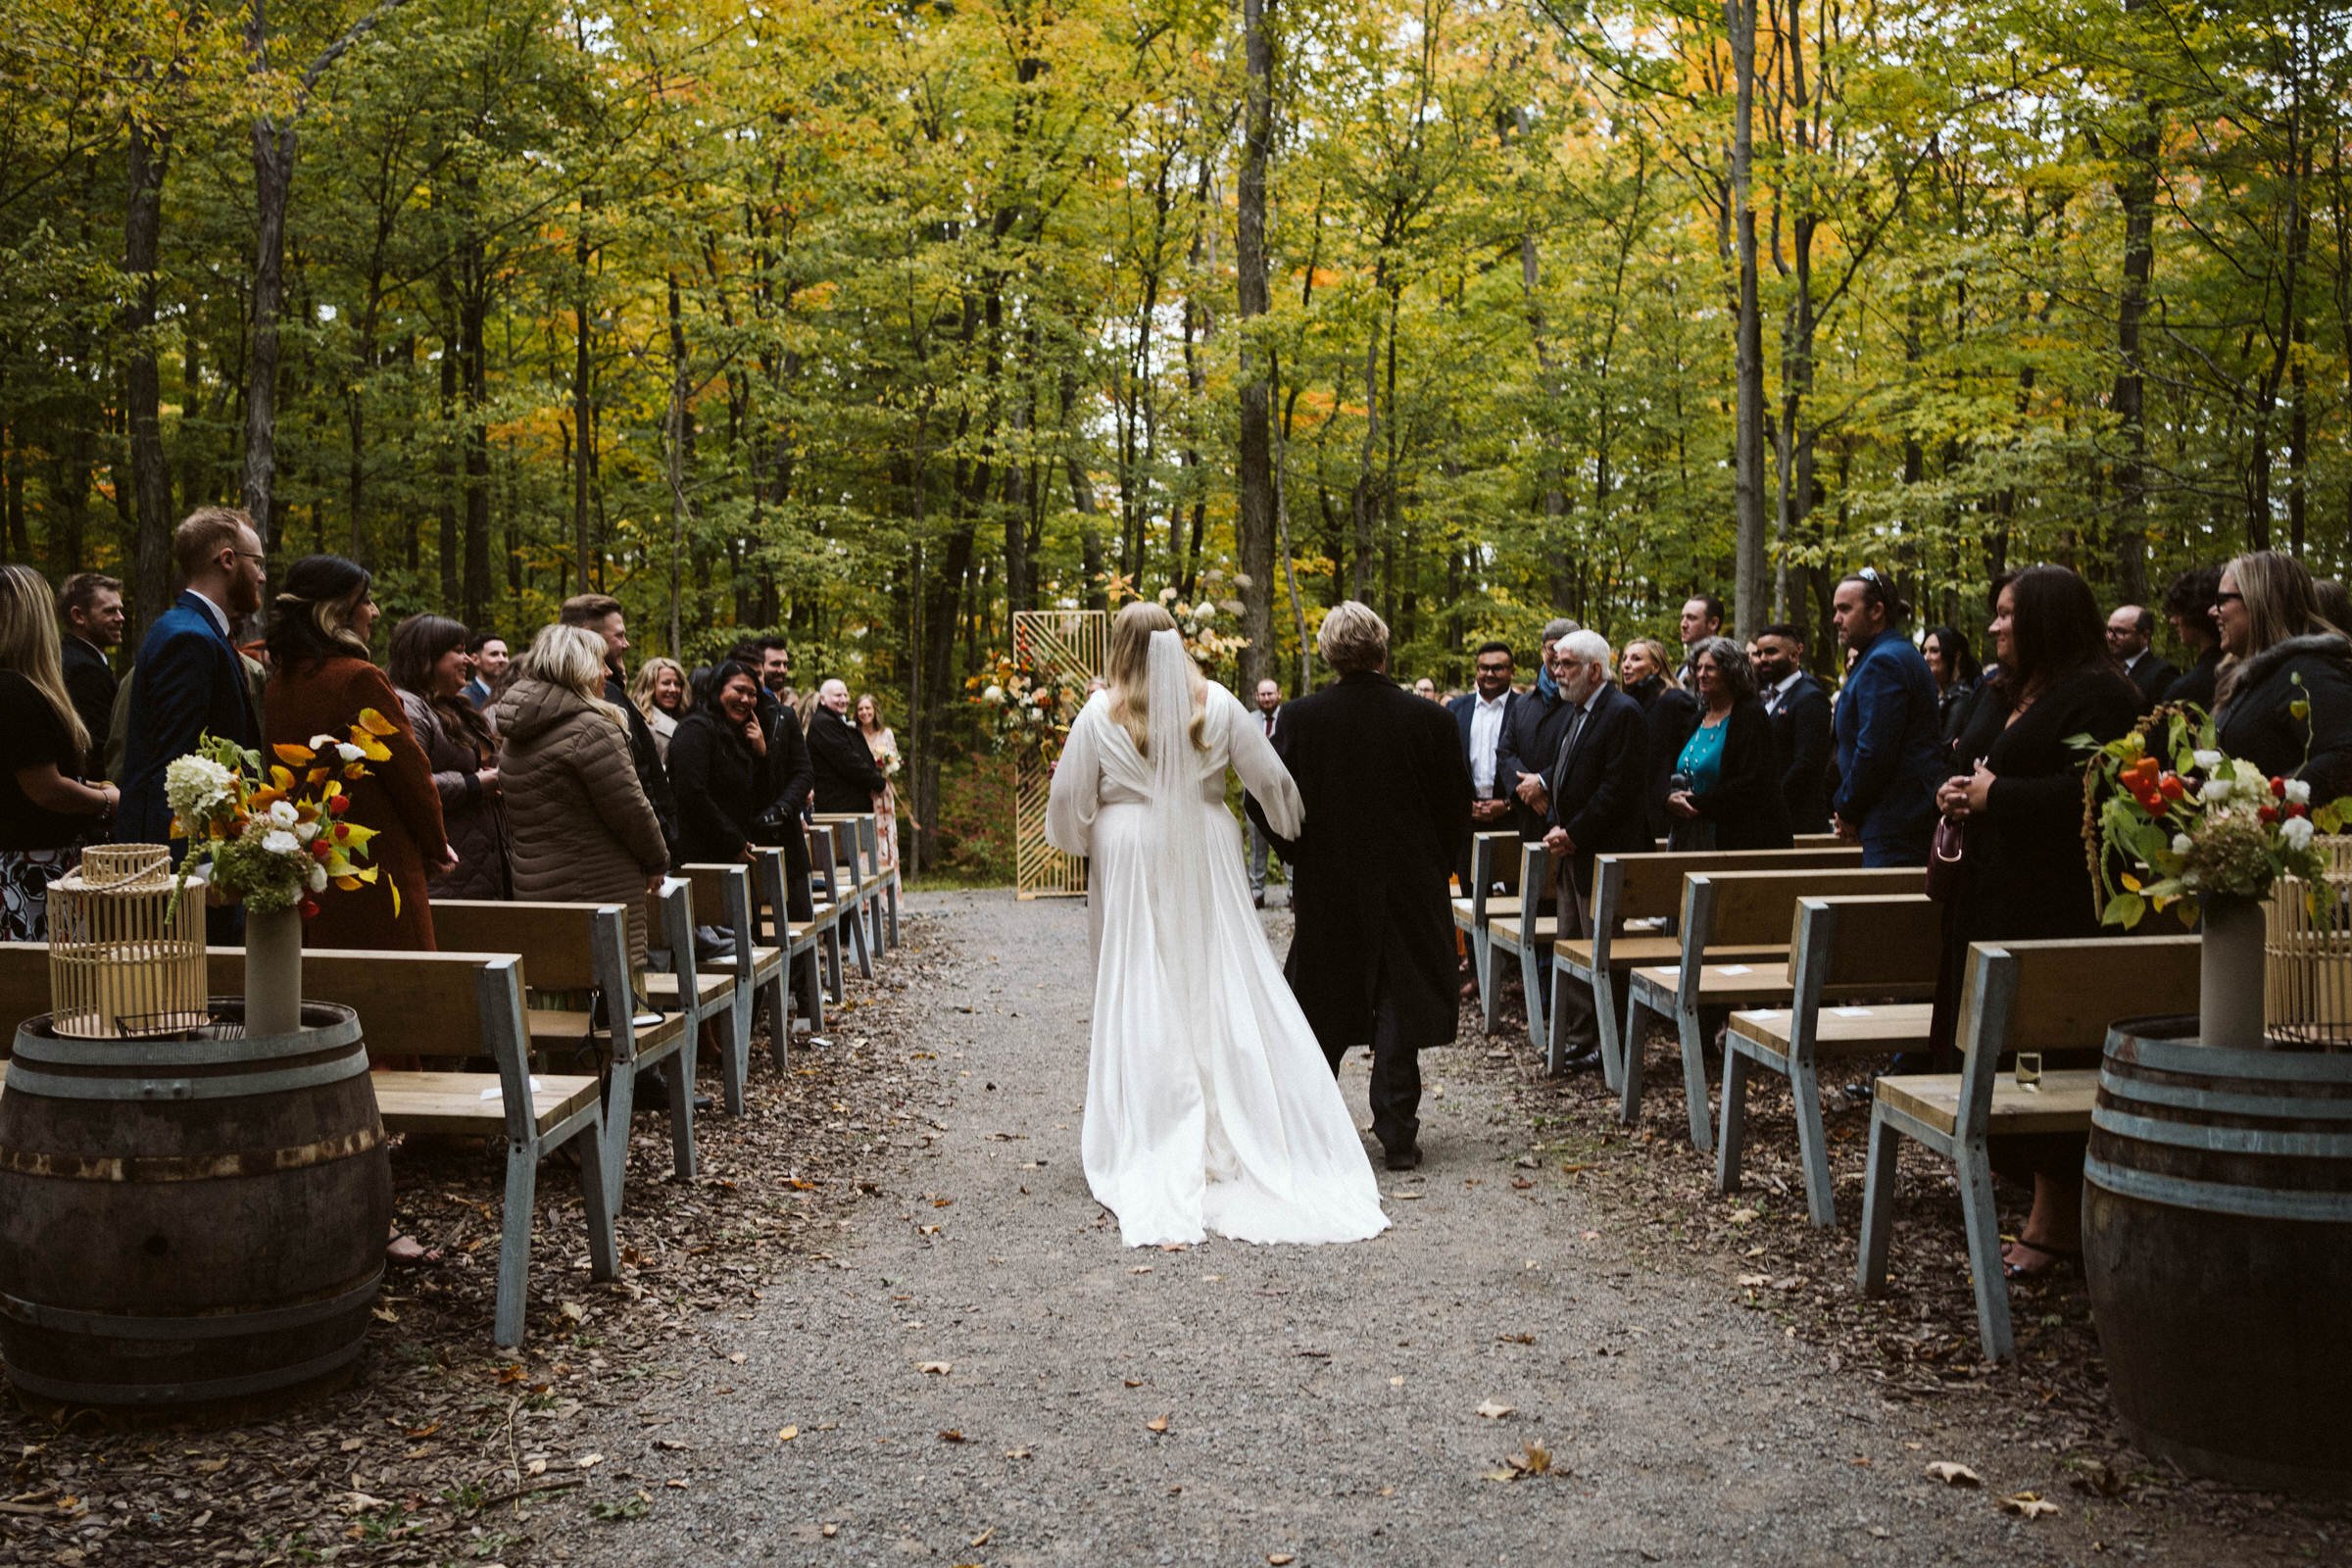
(1267, 716)
(2131, 634)
(47, 813)
(1668, 711)
(323, 679)
(583, 830)
(1887, 743)
(774, 664)
(487, 652)
(2278, 649)
(1956, 670)
(2334, 602)
(846, 780)
(719, 762)
(429, 668)
(1730, 797)
(1483, 717)
(1536, 722)
(1594, 782)
(89, 612)
(790, 778)
(1799, 708)
(1701, 619)
(659, 694)
(885, 749)
(2022, 875)
(1426, 689)
(188, 681)
(2188, 610)
(603, 616)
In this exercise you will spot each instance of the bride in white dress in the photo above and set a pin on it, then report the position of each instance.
(1208, 1105)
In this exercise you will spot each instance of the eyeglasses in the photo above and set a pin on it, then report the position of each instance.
(2226, 597)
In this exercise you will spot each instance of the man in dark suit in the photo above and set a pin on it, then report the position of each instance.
(1537, 721)
(89, 612)
(1484, 717)
(1799, 707)
(1387, 799)
(604, 616)
(2189, 606)
(2129, 632)
(847, 775)
(1595, 783)
(188, 681)
(1268, 716)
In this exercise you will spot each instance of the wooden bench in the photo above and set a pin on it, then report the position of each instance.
(801, 942)
(860, 856)
(685, 988)
(448, 1007)
(583, 948)
(1529, 934)
(1736, 929)
(835, 859)
(725, 893)
(2016, 995)
(1882, 948)
(1493, 894)
(1637, 899)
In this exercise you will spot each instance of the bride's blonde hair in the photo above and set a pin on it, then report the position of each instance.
(1125, 671)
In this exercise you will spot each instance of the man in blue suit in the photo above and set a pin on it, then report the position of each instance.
(188, 680)
(1888, 734)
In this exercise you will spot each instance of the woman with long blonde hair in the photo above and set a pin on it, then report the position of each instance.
(884, 747)
(661, 692)
(1208, 1105)
(2279, 651)
(47, 813)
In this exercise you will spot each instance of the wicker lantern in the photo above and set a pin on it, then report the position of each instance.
(2308, 970)
(123, 963)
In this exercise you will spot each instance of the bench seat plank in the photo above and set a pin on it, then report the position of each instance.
(710, 989)
(453, 1102)
(1840, 1031)
(1506, 934)
(2060, 1103)
(1648, 952)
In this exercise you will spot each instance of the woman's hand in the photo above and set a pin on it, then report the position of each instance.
(749, 856)
(1679, 803)
(1952, 796)
(446, 864)
(1977, 789)
(488, 779)
(755, 736)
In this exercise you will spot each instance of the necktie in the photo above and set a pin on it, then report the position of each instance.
(1269, 726)
(1576, 727)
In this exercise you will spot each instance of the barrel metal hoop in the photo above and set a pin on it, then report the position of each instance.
(78, 1051)
(2252, 1202)
(145, 1168)
(184, 1392)
(223, 1086)
(2256, 1140)
(2195, 1060)
(2190, 1097)
(208, 1326)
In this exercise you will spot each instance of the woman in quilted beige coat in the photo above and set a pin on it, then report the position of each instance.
(582, 829)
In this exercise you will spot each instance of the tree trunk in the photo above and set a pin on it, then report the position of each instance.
(1253, 465)
(150, 472)
(2137, 194)
(1748, 444)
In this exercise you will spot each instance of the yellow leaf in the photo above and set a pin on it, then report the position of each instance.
(1158, 1423)
(395, 896)
(288, 752)
(788, 1434)
(374, 723)
(348, 884)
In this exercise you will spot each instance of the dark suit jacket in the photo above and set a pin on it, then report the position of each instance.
(1507, 767)
(1387, 800)
(90, 682)
(189, 685)
(646, 756)
(1800, 738)
(2195, 684)
(2154, 675)
(1889, 752)
(1536, 723)
(846, 780)
(1599, 795)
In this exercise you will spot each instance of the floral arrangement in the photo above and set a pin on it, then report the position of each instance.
(1209, 622)
(277, 840)
(1025, 708)
(2190, 823)
(888, 760)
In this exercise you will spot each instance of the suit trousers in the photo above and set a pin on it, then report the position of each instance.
(1260, 849)
(1577, 1025)
(1395, 1075)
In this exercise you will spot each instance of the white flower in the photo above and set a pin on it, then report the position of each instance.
(2182, 844)
(2297, 831)
(350, 753)
(2298, 792)
(194, 785)
(2214, 791)
(2208, 760)
(320, 743)
(993, 694)
(282, 813)
(1206, 612)
(280, 841)
(315, 878)
(1167, 596)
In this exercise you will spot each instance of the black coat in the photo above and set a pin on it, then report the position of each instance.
(722, 786)
(1746, 804)
(1802, 747)
(2257, 725)
(1387, 803)
(646, 757)
(1534, 728)
(2152, 677)
(90, 682)
(2196, 683)
(1671, 712)
(785, 784)
(846, 780)
(1601, 796)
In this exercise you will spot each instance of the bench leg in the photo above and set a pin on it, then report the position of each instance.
(1629, 1087)
(1531, 986)
(603, 1252)
(1694, 1073)
(1610, 1029)
(1812, 1141)
(1490, 987)
(1984, 1220)
(677, 1073)
(515, 1244)
(1479, 942)
(833, 963)
(859, 943)
(894, 908)
(1878, 1206)
(813, 988)
(1732, 1139)
(1555, 1045)
(779, 1016)
(733, 1048)
(620, 1103)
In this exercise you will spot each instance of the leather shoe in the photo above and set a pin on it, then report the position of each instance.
(1584, 1060)
(1406, 1158)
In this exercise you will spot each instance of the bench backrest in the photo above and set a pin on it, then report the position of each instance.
(1851, 942)
(1758, 909)
(722, 896)
(1649, 887)
(410, 1003)
(1494, 859)
(2061, 995)
(557, 942)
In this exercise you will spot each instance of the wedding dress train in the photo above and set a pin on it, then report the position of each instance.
(1208, 1105)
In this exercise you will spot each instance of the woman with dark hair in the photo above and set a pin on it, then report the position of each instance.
(1729, 791)
(2020, 803)
(323, 679)
(1955, 670)
(429, 667)
(2277, 647)
(718, 764)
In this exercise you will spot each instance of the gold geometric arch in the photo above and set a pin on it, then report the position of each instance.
(1068, 643)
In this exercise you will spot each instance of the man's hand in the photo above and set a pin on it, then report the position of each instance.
(1558, 842)
(1844, 830)
(1531, 793)
(1680, 805)
(1489, 810)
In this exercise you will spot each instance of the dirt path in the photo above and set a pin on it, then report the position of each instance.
(980, 1374)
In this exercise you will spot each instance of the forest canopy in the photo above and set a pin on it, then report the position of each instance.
(874, 323)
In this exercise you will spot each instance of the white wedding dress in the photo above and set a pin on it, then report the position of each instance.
(1208, 1105)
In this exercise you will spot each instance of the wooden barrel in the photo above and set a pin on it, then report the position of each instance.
(2217, 1233)
(189, 1221)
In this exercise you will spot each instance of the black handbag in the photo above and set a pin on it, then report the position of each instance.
(1947, 862)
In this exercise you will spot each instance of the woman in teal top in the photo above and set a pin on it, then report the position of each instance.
(1730, 797)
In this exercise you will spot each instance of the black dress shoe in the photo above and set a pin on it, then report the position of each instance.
(1584, 1060)
(1406, 1158)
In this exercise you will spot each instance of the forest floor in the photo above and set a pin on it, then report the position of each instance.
(889, 1324)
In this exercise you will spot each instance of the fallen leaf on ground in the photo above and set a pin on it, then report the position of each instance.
(829, 1531)
(1158, 1423)
(1016, 1454)
(1494, 1409)
(937, 1369)
(785, 1436)
(2027, 1505)
(1514, 1339)
(952, 1435)
(1280, 1559)
(984, 1537)
(1953, 1474)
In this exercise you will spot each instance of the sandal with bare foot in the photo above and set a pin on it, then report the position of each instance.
(2036, 1261)
(407, 1251)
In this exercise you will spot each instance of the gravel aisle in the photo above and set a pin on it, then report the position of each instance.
(980, 1373)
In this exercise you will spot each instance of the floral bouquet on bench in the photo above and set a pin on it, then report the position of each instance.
(274, 839)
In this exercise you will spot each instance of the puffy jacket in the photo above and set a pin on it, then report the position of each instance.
(2257, 720)
(477, 822)
(582, 828)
